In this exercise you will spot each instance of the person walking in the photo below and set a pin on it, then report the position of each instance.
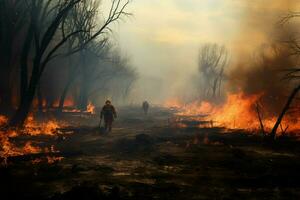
(109, 113)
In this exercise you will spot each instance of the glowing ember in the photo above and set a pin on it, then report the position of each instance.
(3, 120)
(48, 159)
(52, 160)
(30, 149)
(72, 110)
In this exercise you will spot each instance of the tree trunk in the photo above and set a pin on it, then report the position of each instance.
(21, 114)
(285, 109)
(214, 88)
(64, 95)
(83, 98)
(71, 78)
(6, 50)
(220, 80)
(6, 93)
(260, 120)
(24, 62)
(5, 86)
(40, 98)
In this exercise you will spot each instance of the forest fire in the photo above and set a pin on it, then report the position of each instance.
(239, 111)
(69, 107)
(31, 128)
(82, 99)
(8, 149)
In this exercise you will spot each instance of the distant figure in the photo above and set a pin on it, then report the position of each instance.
(145, 107)
(109, 113)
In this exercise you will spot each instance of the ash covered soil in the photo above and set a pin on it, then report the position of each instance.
(150, 157)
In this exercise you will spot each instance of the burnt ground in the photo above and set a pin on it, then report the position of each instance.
(147, 157)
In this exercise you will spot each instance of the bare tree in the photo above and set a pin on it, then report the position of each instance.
(284, 111)
(212, 60)
(48, 17)
(83, 16)
(291, 75)
(115, 76)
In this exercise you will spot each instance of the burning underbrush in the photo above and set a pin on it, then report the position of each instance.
(239, 111)
(90, 109)
(36, 128)
(32, 128)
(69, 106)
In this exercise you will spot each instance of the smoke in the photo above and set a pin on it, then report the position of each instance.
(264, 56)
(254, 38)
(264, 76)
(259, 24)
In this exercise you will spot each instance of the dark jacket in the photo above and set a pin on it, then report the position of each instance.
(108, 112)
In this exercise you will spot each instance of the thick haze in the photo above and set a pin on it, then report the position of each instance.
(163, 37)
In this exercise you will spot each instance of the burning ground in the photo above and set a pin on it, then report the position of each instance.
(168, 154)
(239, 111)
(228, 71)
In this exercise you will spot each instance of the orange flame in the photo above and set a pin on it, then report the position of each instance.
(31, 127)
(238, 112)
(3, 120)
(91, 108)
(9, 149)
(52, 160)
(43, 128)
(30, 149)
(67, 103)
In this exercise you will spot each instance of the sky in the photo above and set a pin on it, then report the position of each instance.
(163, 37)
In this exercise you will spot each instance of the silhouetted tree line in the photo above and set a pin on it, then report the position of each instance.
(56, 45)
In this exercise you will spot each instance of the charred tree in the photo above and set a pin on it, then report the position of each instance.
(24, 60)
(42, 57)
(283, 112)
(46, 49)
(262, 128)
(40, 98)
(83, 96)
(85, 18)
(11, 23)
(70, 80)
(72, 75)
